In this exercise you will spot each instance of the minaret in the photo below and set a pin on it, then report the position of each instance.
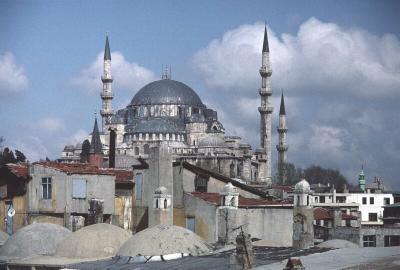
(106, 95)
(282, 147)
(361, 179)
(265, 112)
(96, 147)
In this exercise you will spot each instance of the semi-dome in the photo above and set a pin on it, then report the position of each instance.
(212, 141)
(302, 187)
(94, 241)
(34, 240)
(164, 240)
(166, 91)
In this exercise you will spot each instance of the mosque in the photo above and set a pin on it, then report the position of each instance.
(169, 111)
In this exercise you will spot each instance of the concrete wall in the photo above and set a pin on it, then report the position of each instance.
(274, 225)
(379, 232)
(98, 186)
(205, 217)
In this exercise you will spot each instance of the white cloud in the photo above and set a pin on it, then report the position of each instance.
(320, 58)
(127, 75)
(12, 76)
(51, 125)
(78, 137)
(33, 148)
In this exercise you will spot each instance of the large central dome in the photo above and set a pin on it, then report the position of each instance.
(166, 91)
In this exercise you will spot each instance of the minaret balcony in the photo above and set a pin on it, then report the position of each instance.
(265, 92)
(282, 129)
(268, 109)
(106, 112)
(106, 95)
(282, 147)
(106, 78)
(264, 72)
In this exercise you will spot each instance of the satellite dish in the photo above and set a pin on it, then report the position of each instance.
(11, 212)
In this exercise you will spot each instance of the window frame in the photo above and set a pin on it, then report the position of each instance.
(369, 241)
(194, 223)
(46, 186)
(371, 200)
(364, 201)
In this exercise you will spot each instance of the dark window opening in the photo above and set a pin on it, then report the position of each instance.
(386, 201)
(165, 203)
(157, 204)
(200, 183)
(322, 199)
(146, 149)
(371, 200)
(392, 240)
(364, 200)
(372, 217)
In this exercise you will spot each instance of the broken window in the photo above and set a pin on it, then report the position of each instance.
(46, 188)
(79, 188)
(191, 223)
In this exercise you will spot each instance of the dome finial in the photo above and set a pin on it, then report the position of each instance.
(166, 72)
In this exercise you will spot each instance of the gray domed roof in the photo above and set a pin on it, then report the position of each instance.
(166, 91)
(212, 141)
(164, 240)
(34, 240)
(158, 125)
(302, 187)
(94, 241)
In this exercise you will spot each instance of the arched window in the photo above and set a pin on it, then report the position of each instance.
(136, 151)
(156, 203)
(298, 200)
(308, 200)
(165, 203)
(146, 149)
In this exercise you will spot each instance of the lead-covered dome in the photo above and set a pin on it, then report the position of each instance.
(166, 91)
(302, 187)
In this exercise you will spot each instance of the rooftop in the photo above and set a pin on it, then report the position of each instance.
(215, 198)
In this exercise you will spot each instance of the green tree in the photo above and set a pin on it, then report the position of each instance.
(85, 151)
(20, 157)
(316, 174)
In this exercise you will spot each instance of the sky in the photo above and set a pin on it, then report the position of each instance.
(338, 63)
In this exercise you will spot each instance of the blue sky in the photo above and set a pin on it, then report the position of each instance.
(338, 62)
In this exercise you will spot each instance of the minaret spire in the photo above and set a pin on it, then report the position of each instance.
(264, 152)
(361, 179)
(106, 95)
(96, 147)
(282, 147)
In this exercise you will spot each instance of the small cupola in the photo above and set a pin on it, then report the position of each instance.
(229, 196)
(162, 200)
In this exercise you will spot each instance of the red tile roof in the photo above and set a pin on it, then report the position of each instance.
(322, 214)
(121, 175)
(346, 216)
(20, 169)
(243, 202)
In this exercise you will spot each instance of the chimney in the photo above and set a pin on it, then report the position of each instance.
(111, 159)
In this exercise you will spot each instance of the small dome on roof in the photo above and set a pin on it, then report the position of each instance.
(228, 188)
(212, 141)
(161, 190)
(164, 240)
(34, 240)
(94, 241)
(302, 187)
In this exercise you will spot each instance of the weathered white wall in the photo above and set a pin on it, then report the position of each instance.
(98, 186)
